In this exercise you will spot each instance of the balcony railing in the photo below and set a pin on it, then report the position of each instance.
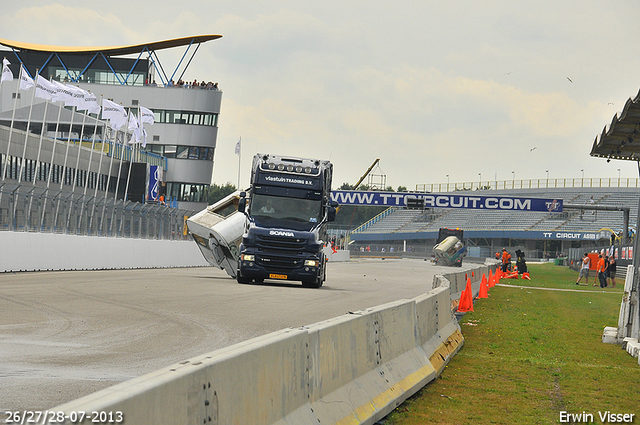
(529, 184)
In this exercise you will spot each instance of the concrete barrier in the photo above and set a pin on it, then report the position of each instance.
(24, 251)
(366, 364)
(353, 369)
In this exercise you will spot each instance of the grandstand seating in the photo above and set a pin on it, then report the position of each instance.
(400, 220)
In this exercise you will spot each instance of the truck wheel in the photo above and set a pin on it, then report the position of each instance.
(242, 279)
(314, 283)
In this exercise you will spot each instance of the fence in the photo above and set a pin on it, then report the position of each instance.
(29, 209)
(528, 184)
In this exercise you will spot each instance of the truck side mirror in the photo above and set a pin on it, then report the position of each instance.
(242, 202)
(331, 211)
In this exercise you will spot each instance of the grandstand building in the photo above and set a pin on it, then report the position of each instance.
(78, 148)
(538, 234)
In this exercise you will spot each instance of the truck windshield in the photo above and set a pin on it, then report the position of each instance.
(284, 208)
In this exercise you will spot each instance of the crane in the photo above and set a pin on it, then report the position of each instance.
(355, 187)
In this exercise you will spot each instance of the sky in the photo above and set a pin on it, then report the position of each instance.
(439, 91)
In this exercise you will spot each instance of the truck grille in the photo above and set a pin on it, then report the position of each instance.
(280, 243)
(278, 253)
(277, 263)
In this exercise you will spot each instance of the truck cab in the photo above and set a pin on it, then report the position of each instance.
(287, 211)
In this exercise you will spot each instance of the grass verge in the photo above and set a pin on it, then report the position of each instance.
(530, 354)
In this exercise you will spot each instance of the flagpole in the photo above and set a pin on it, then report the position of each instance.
(115, 197)
(86, 184)
(64, 166)
(13, 115)
(42, 130)
(24, 150)
(44, 126)
(126, 188)
(104, 135)
(4, 62)
(53, 152)
(26, 134)
(75, 173)
(112, 145)
(239, 159)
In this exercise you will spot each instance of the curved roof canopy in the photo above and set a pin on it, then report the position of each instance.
(109, 50)
(621, 140)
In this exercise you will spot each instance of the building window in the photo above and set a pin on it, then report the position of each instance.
(187, 192)
(185, 117)
(182, 152)
(170, 151)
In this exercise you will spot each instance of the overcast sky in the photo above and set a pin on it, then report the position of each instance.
(467, 89)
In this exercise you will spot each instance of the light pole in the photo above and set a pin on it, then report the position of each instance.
(547, 174)
(513, 173)
(447, 182)
(480, 178)
(618, 174)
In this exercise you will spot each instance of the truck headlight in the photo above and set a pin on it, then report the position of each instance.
(311, 263)
(246, 257)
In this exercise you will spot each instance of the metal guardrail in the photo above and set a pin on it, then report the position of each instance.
(528, 184)
(29, 209)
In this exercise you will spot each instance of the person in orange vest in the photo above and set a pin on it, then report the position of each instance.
(600, 270)
(506, 258)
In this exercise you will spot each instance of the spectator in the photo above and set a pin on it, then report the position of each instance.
(612, 271)
(506, 259)
(584, 269)
(521, 263)
(600, 270)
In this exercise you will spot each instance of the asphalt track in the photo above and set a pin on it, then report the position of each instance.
(64, 335)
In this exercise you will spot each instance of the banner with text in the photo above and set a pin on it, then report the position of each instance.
(446, 200)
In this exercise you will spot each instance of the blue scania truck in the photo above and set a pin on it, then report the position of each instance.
(287, 210)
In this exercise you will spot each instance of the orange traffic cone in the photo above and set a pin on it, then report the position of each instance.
(484, 288)
(498, 275)
(473, 273)
(492, 279)
(525, 275)
(466, 299)
(462, 304)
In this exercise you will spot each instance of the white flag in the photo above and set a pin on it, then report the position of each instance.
(238, 148)
(114, 113)
(26, 82)
(91, 103)
(146, 116)
(63, 94)
(7, 75)
(44, 88)
(77, 98)
(134, 126)
(144, 137)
